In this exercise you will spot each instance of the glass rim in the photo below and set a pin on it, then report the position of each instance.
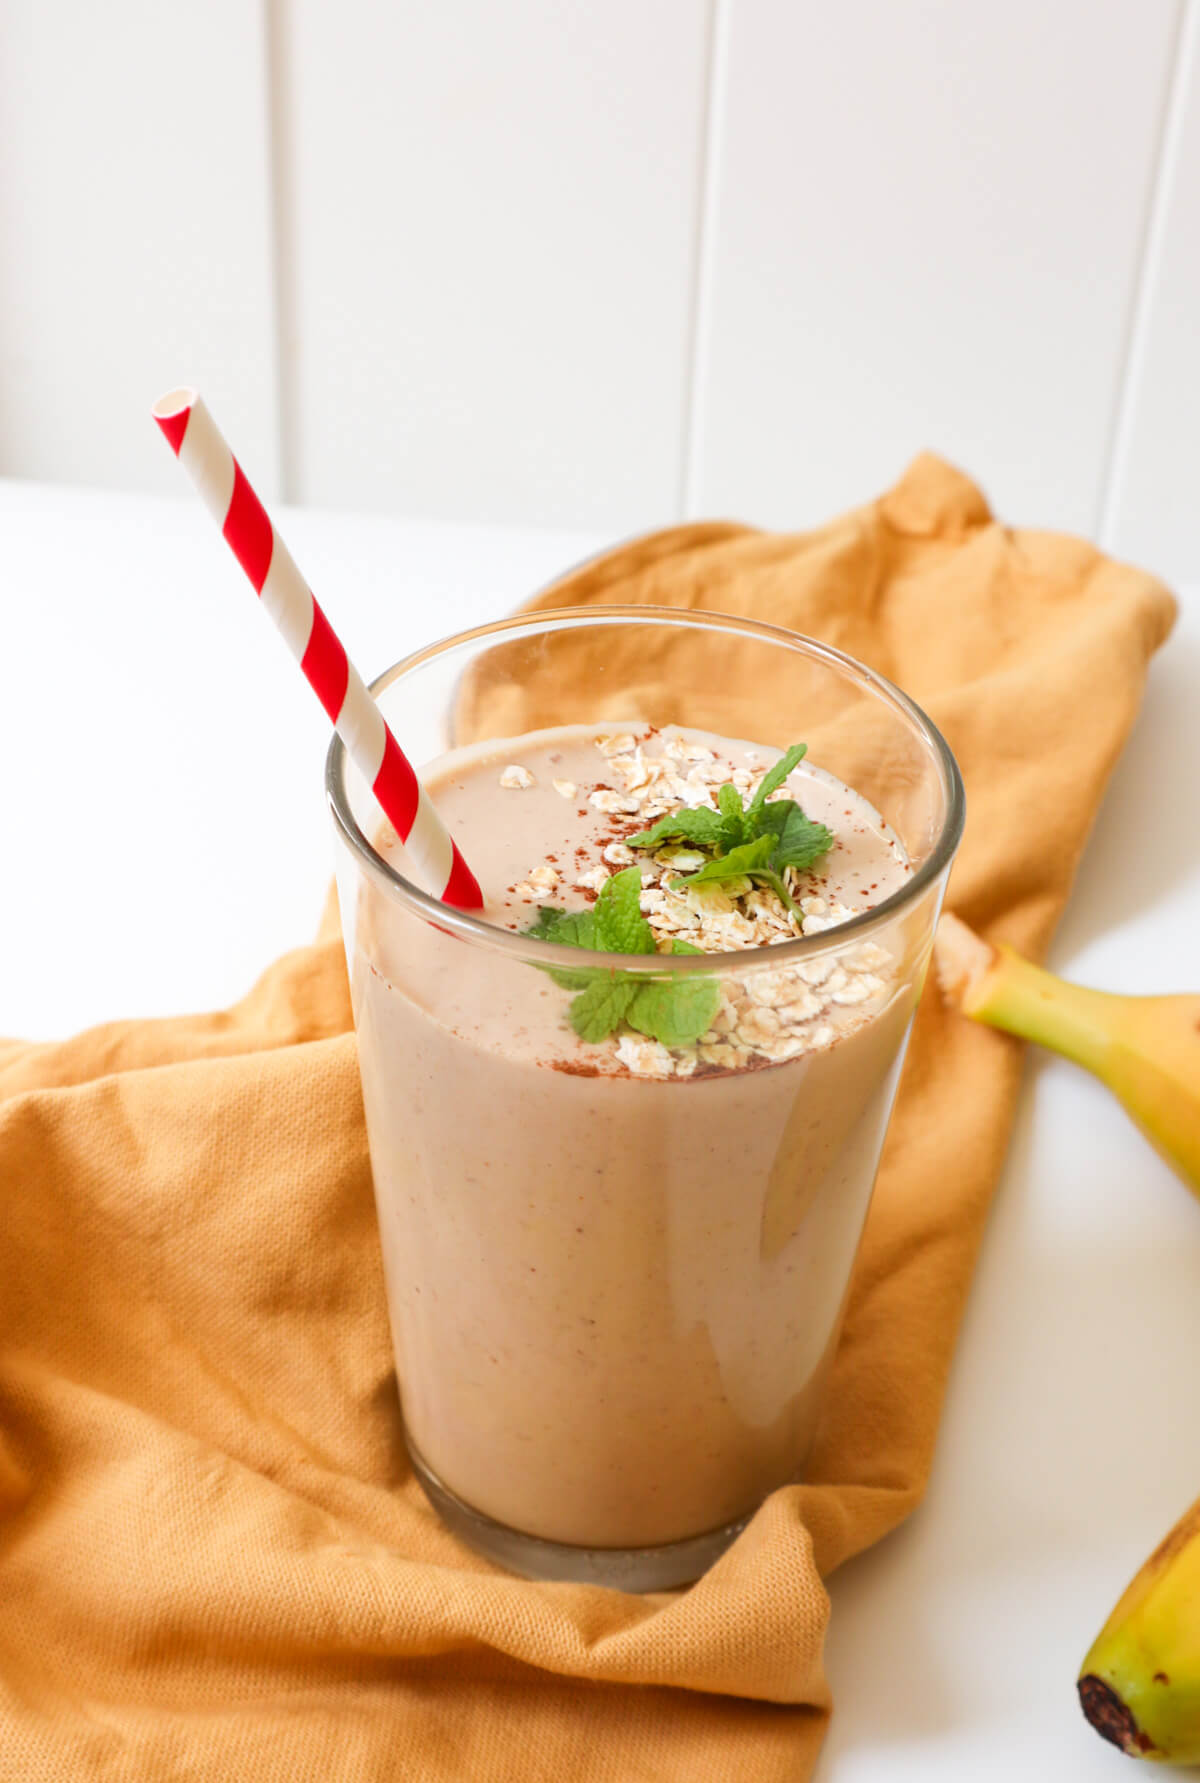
(475, 929)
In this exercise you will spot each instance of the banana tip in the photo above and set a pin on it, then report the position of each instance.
(961, 959)
(1111, 1718)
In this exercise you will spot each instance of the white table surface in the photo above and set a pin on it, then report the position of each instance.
(165, 838)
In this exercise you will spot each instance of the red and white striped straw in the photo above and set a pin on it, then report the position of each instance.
(201, 449)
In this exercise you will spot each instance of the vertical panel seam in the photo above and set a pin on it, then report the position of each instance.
(282, 257)
(699, 309)
(1132, 354)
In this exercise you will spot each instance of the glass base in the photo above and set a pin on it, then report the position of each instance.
(626, 1569)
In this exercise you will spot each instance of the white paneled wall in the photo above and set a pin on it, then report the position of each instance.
(927, 229)
(600, 266)
(135, 233)
(491, 254)
(1153, 504)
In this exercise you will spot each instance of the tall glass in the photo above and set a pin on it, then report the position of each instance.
(614, 1299)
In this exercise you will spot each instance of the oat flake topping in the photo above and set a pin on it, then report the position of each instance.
(768, 1015)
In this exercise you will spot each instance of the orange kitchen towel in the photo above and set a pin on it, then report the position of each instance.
(214, 1561)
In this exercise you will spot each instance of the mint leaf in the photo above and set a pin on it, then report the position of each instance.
(619, 926)
(570, 928)
(677, 1014)
(600, 1008)
(729, 800)
(750, 857)
(799, 841)
(734, 828)
(699, 825)
(787, 838)
(732, 824)
(774, 778)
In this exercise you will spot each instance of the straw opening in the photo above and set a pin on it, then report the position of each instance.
(173, 403)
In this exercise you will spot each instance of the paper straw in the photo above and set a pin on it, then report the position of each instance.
(201, 449)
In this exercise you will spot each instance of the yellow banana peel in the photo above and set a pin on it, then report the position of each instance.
(1146, 1049)
(1140, 1683)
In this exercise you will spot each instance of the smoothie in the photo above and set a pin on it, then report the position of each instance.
(616, 1265)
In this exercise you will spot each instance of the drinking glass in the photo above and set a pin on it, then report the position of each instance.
(614, 1299)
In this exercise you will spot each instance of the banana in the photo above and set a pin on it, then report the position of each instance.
(1140, 1683)
(1146, 1049)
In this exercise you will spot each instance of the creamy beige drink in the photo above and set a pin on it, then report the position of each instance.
(616, 1261)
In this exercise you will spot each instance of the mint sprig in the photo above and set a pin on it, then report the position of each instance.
(741, 862)
(674, 1013)
(775, 775)
(759, 841)
(695, 824)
